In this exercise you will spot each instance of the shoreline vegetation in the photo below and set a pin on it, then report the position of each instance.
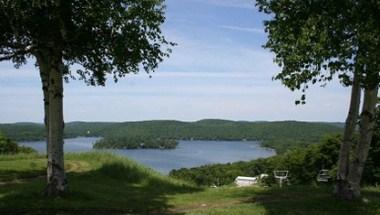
(8, 146)
(280, 136)
(135, 143)
(303, 164)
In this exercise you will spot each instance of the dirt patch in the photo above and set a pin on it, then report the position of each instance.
(70, 166)
(77, 166)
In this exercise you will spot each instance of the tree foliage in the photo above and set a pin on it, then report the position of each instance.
(114, 37)
(135, 143)
(8, 146)
(372, 168)
(315, 40)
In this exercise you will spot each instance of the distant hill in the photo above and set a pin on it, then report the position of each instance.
(280, 135)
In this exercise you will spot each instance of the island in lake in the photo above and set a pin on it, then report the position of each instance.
(135, 143)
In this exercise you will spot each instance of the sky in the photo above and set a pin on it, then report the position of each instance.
(218, 70)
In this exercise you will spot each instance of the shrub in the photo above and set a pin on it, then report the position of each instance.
(8, 146)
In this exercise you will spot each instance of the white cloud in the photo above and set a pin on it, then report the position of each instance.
(246, 4)
(244, 29)
(219, 55)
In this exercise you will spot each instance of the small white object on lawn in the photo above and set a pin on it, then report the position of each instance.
(243, 181)
(263, 175)
(281, 175)
(323, 176)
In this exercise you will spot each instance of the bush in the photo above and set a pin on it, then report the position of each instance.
(7, 146)
(371, 174)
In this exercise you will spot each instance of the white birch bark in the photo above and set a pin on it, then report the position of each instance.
(342, 186)
(360, 154)
(55, 171)
(44, 75)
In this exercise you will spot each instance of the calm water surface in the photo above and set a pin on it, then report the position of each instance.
(187, 153)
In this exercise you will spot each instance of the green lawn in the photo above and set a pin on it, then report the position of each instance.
(290, 200)
(107, 184)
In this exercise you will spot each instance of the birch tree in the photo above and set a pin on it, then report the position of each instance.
(315, 41)
(109, 38)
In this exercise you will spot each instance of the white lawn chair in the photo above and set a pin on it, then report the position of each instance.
(281, 175)
(323, 176)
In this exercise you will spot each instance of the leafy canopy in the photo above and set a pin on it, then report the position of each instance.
(104, 37)
(315, 39)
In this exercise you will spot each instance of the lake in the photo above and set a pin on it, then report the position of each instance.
(187, 154)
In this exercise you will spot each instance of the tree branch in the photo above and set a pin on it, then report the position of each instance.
(28, 50)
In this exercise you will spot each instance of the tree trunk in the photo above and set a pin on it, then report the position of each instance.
(43, 64)
(342, 186)
(367, 124)
(56, 180)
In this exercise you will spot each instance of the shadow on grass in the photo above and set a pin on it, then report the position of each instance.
(113, 188)
(309, 200)
(7, 176)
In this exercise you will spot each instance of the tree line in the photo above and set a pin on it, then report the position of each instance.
(281, 136)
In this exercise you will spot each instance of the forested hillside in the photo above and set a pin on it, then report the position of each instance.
(303, 165)
(280, 135)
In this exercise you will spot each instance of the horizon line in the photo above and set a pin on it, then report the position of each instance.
(188, 121)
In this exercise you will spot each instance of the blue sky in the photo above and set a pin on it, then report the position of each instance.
(218, 70)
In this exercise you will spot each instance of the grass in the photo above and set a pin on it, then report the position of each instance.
(99, 183)
(107, 184)
(291, 200)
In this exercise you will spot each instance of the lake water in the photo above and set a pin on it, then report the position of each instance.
(187, 153)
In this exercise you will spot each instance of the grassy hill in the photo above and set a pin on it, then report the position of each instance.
(280, 135)
(107, 184)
